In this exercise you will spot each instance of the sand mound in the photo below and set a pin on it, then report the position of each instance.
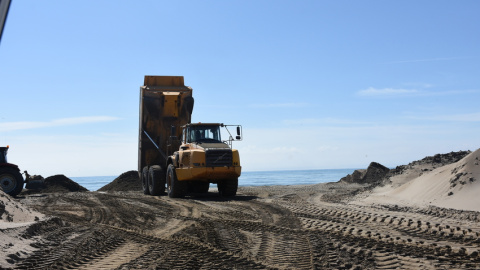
(13, 213)
(455, 185)
(376, 173)
(14, 218)
(127, 181)
(405, 173)
(57, 183)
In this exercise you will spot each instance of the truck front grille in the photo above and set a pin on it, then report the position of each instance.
(218, 157)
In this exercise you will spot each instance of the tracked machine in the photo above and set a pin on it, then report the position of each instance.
(179, 157)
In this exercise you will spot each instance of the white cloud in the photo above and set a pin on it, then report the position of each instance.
(385, 92)
(304, 121)
(419, 85)
(429, 60)
(453, 92)
(466, 117)
(396, 92)
(280, 105)
(323, 121)
(11, 126)
(327, 148)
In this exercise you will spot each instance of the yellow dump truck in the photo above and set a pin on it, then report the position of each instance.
(176, 154)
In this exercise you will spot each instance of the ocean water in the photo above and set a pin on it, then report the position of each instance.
(93, 183)
(261, 178)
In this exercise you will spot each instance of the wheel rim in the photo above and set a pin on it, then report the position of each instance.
(7, 182)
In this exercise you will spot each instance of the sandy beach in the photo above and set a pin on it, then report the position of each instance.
(424, 215)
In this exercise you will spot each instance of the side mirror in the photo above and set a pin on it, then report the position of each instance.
(238, 133)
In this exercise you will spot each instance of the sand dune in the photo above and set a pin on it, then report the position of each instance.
(14, 214)
(455, 185)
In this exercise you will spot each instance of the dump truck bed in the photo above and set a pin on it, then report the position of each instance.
(164, 102)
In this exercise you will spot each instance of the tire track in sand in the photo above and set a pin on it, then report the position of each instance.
(122, 254)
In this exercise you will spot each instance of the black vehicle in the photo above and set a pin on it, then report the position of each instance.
(11, 180)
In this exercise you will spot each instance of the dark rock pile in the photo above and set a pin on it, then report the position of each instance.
(127, 181)
(373, 174)
(376, 173)
(445, 159)
(56, 183)
(355, 177)
(435, 161)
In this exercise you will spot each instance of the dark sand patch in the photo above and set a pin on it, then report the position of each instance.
(127, 181)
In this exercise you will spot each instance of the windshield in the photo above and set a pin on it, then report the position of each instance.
(203, 134)
(3, 154)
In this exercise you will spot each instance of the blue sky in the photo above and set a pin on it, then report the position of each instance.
(315, 84)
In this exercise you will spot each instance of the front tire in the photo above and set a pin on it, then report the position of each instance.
(156, 180)
(11, 181)
(175, 188)
(228, 187)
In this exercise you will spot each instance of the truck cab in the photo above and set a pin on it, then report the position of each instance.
(203, 157)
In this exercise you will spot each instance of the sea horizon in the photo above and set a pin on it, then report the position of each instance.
(248, 178)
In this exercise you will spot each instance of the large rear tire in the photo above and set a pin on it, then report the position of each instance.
(145, 181)
(175, 188)
(11, 181)
(156, 180)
